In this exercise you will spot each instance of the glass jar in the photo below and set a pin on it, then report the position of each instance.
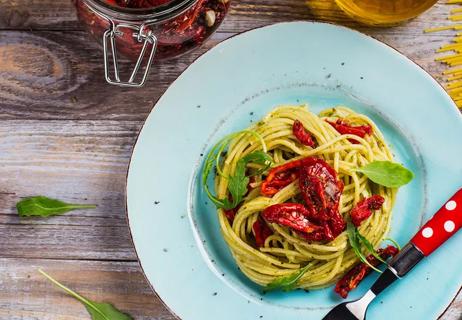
(384, 13)
(165, 29)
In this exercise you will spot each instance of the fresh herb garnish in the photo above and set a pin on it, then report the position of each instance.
(396, 244)
(287, 283)
(387, 173)
(237, 183)
(44, 207)
(97, 310)
(355, 243)
(368, 246)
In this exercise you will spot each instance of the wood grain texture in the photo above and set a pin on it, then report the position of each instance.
(59, 74)
(120, 283)
(67, 134)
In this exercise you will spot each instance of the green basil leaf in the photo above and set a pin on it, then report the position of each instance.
(44, 207)
(355, 244)
(287, 283)
(387, 173)
(97, 310)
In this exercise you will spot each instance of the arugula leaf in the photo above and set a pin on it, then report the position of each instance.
(387, 173)
(44, 207)
(237, 183)
(396, 244)
(287, 283)
(97, 310)
(369, 246)
(356, 245)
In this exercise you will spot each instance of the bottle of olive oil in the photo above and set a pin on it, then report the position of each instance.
(384, 12)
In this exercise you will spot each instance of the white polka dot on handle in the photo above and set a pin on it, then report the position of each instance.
(449, 226)
(451, 205)
(427, 232)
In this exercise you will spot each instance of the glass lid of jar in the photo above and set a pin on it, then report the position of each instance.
(140, 9)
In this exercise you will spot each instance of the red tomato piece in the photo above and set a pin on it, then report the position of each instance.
(364, 208)
(302, 134)
(344, 128)
(292, 215)
(321, 191)
(261, 232)
(353, 277)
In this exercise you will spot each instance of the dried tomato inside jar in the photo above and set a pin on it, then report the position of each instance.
(147, 30)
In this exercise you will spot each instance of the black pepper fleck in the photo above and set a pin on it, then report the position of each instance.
(306, 290)
(165, 250)
(198, 106)
(428, 278)
(182, 217)
(201, 154)
(329, 75)
(261, 299)
(261, 317)
(251, 113)
(338, 86)
(215, 293)
(156, 202)
(222, 274)
(381, 302)
(343, 63)
(361, 78)
(213, 261)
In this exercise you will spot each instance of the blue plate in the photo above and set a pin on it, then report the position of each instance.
(175, 228)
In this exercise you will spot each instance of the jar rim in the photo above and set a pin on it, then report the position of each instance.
(160, 12)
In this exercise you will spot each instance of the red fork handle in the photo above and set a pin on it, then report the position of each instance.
(446, 222)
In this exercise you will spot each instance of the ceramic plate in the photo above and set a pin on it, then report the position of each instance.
(175, 228)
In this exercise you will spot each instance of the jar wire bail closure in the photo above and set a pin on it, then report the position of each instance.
(140, 33)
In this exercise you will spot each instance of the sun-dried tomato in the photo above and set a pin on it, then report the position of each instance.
(280, 177)
(353, 277)
(364, 208)
(344, 128)
(292, 215)
(231, 213)
(321, 191)
(261, 232)
(302, 134)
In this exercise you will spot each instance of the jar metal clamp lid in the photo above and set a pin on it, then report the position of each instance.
(139, 21)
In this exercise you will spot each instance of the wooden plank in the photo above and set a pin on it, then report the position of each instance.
(77, 161)
(25, 294)
(244, 14)
(59, 75)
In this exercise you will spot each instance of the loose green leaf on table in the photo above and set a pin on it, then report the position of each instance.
(97, 310)
(41, 206)
(387, 173)
(287, 283)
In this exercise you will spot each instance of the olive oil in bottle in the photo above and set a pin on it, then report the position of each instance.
(384, 12)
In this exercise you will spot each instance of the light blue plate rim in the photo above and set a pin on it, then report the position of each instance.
(449, 102)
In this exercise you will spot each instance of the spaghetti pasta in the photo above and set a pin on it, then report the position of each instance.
(285, 251)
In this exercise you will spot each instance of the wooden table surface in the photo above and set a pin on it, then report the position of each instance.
(65, 133)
